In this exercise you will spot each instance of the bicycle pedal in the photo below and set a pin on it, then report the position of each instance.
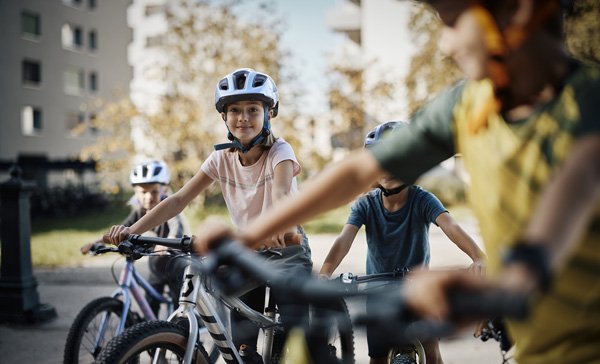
(249, 355)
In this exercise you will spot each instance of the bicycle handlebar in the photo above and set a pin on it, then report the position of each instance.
(464, 303)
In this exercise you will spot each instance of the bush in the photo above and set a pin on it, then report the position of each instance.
(448, 188)
(66, 201)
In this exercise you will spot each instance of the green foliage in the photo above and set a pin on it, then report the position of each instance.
(204, 41)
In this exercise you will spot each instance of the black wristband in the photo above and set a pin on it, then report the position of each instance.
(535, 257)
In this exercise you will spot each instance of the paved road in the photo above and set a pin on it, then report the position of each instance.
(69, 289)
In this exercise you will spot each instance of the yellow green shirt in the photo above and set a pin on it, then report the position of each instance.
(508, 165)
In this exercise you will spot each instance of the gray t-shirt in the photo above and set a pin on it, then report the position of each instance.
(398, 239)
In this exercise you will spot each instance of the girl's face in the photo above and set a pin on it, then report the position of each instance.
(462, 39)
(148, 194)
(244, 119)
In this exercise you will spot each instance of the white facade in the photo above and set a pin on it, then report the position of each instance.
(59, 58)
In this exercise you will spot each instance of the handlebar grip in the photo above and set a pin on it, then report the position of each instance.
(488, 304)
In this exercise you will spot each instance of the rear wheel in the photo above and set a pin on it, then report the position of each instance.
(95, 325)
(139, 343)
(334, 320)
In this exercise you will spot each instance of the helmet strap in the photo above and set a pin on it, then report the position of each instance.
(235, 142)
(392, 191)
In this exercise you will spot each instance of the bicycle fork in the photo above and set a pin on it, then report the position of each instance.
(194, 297)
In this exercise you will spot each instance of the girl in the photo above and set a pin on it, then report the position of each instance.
(255, 169)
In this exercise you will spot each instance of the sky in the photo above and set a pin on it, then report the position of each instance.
(308, 38)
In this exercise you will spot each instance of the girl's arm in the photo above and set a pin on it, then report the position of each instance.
(462, 240)
(339, 250)
(165, 210)
(282, 184)
(334, 187)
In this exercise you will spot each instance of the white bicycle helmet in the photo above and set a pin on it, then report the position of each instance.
(150, 172)
(374, 136)
(246, 84)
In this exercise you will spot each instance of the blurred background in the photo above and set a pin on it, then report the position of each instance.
(89, 87)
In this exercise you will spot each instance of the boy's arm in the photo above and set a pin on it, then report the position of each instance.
(462, 240)
(334, 187)
(339, 250)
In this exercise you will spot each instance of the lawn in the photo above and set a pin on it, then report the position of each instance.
(55, 241)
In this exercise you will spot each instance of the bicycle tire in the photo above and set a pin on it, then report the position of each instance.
(138, 343)
(341, 338)
(80, 346)
(409, 354)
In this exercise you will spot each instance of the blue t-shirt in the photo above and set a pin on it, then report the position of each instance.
(398, 239)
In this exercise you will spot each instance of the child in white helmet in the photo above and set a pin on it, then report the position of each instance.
(396, 217)
(150, 180)
(255, 170)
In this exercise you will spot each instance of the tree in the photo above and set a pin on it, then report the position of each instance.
(204, 41)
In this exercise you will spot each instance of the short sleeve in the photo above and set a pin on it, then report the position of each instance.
(209, 167)
(427, 141)
(430, 206)
(282, 151)
(358, 212)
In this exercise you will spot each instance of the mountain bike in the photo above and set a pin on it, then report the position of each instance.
(410, 353)
(390, 314)
(175, 340)
(105, 317)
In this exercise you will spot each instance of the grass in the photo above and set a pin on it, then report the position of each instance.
(55, 241)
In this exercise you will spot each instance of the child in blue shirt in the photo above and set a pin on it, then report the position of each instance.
(397, 218)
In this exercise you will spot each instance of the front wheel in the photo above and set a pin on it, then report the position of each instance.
(334, 321)
(95, 325)
(139, 343)
(409, 354)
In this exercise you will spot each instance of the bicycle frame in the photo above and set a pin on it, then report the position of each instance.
(195, 302)
(130, 281)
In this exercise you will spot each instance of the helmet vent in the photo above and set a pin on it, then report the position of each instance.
(144, 170)
(240, 80)
(223, 85)
(259, 80)
(157, 171)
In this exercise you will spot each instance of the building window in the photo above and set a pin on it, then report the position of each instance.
(93, 124)
(93, 81)
(30, 24)
(74, 81)
(91, 4)
(31, 120)
(32, 72)
(75, 123)
(92, 40)
(72, 36)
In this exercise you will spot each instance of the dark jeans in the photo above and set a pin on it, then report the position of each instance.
(166, 271)
(294, 259)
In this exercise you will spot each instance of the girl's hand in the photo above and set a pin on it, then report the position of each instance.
(86, 248)
(117, 234)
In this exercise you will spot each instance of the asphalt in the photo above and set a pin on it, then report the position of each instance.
(69, 289)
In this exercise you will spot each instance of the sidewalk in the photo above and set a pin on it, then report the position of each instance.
(69, 289)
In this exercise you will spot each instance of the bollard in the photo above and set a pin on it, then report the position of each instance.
(19, 299)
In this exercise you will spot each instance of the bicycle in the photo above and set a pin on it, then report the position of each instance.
(199, 305)
(160, 337)
(410, 353)
(106, 317)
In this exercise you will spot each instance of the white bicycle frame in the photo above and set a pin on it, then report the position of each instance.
(195, 301)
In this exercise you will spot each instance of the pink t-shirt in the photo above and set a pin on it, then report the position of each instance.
(247, 190)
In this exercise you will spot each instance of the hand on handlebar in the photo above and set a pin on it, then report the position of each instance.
(117, 234)
(426, 292)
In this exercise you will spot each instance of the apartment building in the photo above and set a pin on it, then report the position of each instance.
(58, 58)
